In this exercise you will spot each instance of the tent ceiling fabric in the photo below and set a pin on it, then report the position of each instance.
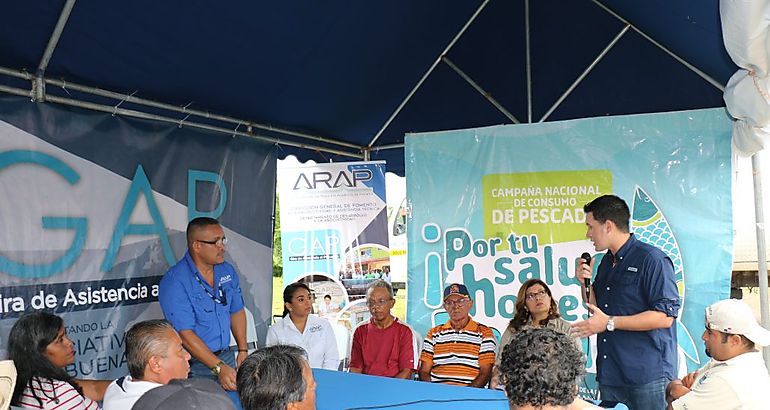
(341, 69)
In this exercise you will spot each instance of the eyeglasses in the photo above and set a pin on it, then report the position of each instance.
(219, 242)
(536, 295)
(460, 303)
(377, 303)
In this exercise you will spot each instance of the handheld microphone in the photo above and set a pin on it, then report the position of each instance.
(587, 258)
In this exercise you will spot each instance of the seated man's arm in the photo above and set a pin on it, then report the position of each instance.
(485, 373)
(678, 388)
(406, 350)
(675, 390)
(357, 351)
(404, 374)
(486, 358)
(711, 392)
(426, 358)
(94, 389)
(495, 380)
(331, 353)
(424, 372)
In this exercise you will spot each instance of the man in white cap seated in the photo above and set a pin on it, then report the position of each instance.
(735, 377)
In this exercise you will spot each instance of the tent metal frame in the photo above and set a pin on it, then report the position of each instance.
(428, 72)
(248, 132)
(528, 47)
(38, 94)
(39, 82)
(585, 73)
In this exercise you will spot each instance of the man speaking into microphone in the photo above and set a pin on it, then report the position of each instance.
(633, 303)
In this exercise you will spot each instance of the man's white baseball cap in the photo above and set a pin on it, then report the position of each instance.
(735, 317)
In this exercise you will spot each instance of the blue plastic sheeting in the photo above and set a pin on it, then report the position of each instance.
(340, 69)
(339, 390)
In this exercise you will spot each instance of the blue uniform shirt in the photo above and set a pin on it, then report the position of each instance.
(641, 280)
(187, 306)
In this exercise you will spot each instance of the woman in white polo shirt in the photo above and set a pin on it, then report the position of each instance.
(301, 328)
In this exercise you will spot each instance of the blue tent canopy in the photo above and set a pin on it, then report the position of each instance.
(345, 80)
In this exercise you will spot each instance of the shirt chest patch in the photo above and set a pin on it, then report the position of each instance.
(315, 328)
(225, 279)
(632, 269)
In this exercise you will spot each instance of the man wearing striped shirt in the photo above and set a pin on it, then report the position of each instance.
(460, 352)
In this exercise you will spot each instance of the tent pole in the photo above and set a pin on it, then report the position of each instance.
(130, 98)
(17, 91)
(585, 73)
(528, 57)
(49, 49)
(184, 110)
(16, 73)
(759, 216)
(146, 116)
(682, 61)
(390, 146)
(427, 73)
(478, 88)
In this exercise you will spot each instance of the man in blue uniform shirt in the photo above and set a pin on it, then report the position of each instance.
(634, 302)
(201, 297)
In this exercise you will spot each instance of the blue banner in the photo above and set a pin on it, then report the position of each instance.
(94, 212)
(493, 207)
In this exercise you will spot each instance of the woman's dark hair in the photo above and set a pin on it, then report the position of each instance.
(27, 342)
(522, 315)
(288, 294)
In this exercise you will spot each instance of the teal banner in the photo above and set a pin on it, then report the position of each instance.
(492, 207)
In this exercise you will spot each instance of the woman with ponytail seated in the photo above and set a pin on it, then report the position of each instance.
(301, 328)
(39, 346)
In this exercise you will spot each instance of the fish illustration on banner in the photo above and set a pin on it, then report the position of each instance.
(650, 226)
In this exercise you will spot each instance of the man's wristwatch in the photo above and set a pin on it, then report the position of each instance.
(217, 368)
(611, 324)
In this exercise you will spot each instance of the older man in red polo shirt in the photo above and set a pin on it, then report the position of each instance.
(383, 346)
